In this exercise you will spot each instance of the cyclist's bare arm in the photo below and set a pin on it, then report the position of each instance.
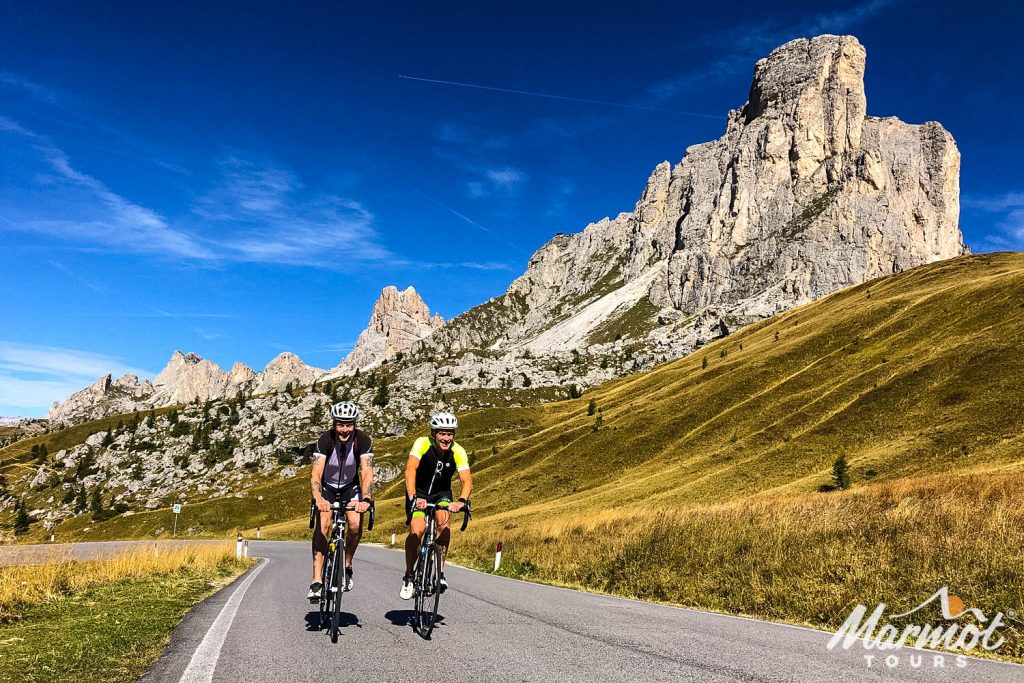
(410, 476)
(365, 479)
(466, 477)
(314, 483)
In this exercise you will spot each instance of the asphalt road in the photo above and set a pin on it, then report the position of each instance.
(262, 629)
(61, 552)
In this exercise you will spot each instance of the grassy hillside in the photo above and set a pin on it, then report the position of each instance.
(701, 481)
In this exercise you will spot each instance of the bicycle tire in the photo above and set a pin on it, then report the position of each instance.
(339, 576)
(431, 591)
(325, 590)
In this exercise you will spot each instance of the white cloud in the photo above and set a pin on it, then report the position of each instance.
(270, 220)
(75, 206)
(506, 178)
(39, 92)
(258, 212)
(1010, 225)
(62, 362)
(33, 376)
(33, 397)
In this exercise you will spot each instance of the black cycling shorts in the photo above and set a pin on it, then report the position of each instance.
(344, 495)
(435, 497)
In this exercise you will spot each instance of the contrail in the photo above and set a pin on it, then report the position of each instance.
(561, 97)
(470, 221)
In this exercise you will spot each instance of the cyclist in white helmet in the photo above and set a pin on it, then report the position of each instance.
(432, 463)
(343, 473)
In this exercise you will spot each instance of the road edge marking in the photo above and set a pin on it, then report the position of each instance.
(204, 660)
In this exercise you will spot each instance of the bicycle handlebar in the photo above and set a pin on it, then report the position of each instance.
(336, 507)
(465, 511)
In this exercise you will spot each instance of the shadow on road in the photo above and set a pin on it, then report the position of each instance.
(404, 617)
(346, 619)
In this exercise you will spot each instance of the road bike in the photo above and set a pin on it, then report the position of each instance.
(334, 567)
(427, 574)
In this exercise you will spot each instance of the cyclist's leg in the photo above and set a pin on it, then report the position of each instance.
(320, 538)
(417, 525)
(355, 526)
(444, 534)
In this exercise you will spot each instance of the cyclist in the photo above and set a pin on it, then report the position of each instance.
(342, 473)
(432, 463)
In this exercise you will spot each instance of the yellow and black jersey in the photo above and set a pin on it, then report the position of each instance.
(436, 469)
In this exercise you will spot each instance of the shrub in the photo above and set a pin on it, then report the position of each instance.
(574, 391)
(704, 363)
(591, 407)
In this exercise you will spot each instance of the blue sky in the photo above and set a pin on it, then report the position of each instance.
(243, 179)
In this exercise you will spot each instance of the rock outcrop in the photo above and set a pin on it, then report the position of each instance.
(804, 194)
(102, 397)
(284, 371)
(186, 378)
(399, 320)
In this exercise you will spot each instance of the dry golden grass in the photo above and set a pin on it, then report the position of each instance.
(803, 558)
(25, 585)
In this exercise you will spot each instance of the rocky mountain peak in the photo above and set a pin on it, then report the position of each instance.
(285, 369)
(399, 320)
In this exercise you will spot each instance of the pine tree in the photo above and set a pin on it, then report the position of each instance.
(382, 396)
(841, 473)
(591, 407)
(81, 500)
(96, 501)
(21, 519)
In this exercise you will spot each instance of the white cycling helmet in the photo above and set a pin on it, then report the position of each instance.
(346, 411)
(444, 422)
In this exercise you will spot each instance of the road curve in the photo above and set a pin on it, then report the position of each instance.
(262, 629)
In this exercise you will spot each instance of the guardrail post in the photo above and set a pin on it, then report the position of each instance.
(497, 557)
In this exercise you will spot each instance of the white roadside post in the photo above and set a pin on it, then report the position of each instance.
(497, 557)
(245, 549)
(392, 539)
(176, 509)
(257, 533)
(238, 546)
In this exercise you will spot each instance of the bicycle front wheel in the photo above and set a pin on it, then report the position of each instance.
(429, 592)
(325, 592)
(337, 587)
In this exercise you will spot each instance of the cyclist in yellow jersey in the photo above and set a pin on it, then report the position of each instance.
(432, 463)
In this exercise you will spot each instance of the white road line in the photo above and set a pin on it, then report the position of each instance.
(204, 660)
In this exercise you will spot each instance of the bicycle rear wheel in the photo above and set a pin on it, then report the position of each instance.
(429, 592)
(337, 587)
